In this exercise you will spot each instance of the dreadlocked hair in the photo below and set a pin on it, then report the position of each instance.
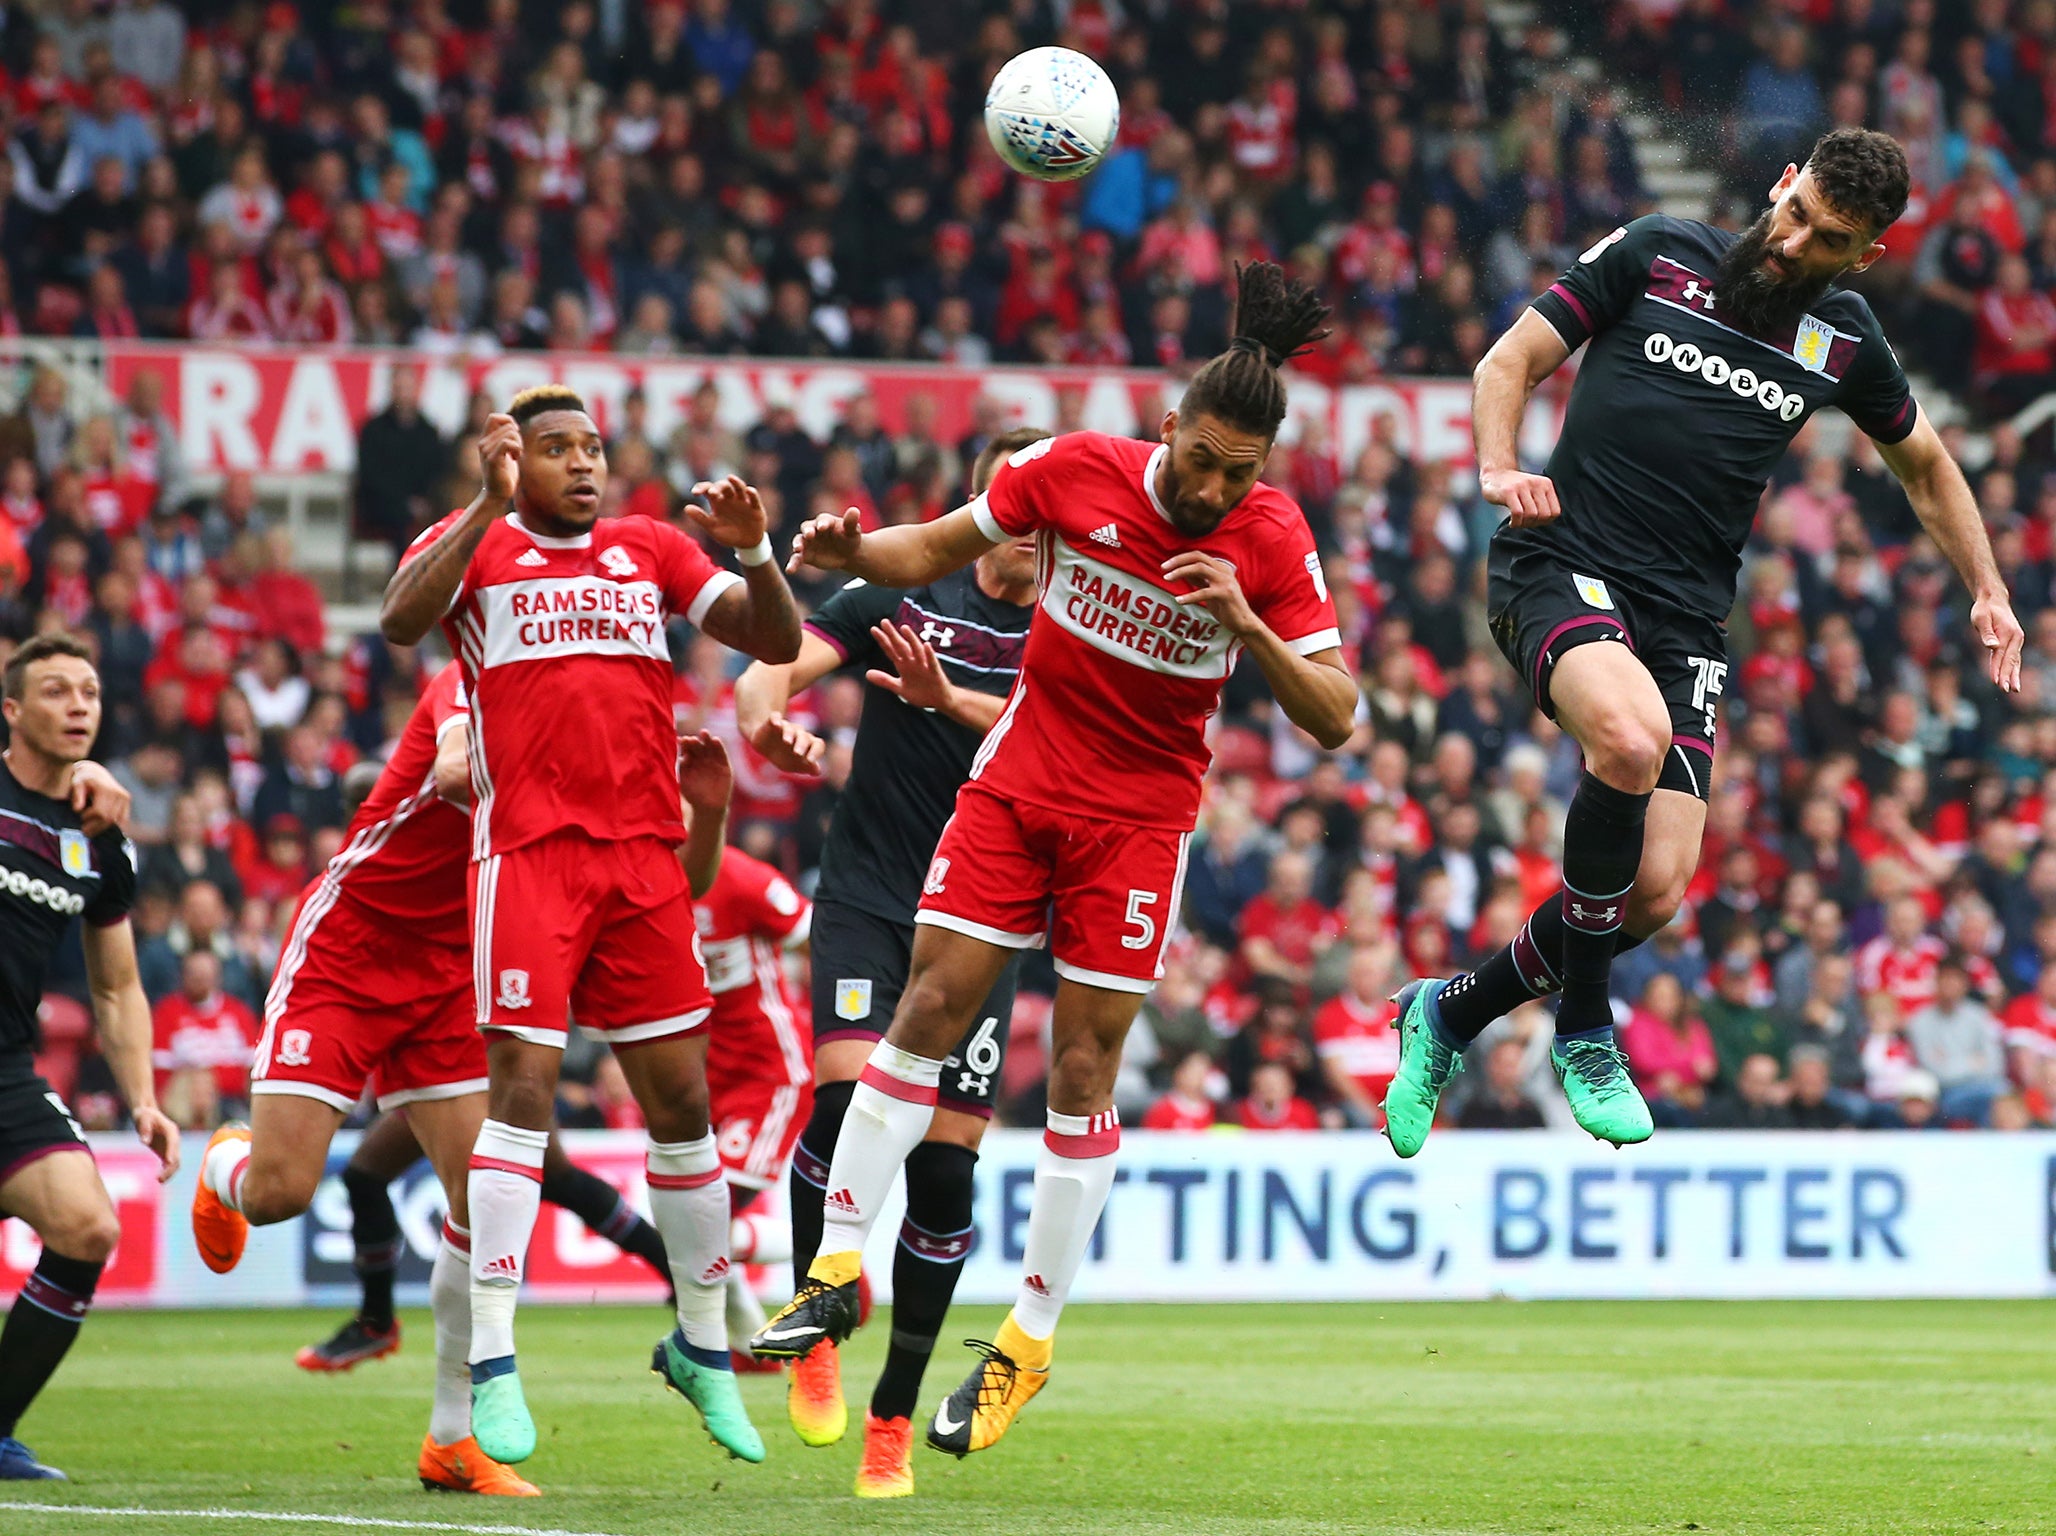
(531, 403)
(1276, 318)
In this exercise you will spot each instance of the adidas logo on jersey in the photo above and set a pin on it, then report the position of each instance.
(532, 557)
(1109, 536)
(1687, 357)
(503, 1268)
(843, 1201)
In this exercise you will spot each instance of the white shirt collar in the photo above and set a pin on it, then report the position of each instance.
(577, 541)
(1149, 479)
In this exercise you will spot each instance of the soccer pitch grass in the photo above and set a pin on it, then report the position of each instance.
(1591, 1418)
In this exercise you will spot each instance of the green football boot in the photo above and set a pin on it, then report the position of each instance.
(499, 1413)
(1604, 1098)
(1428, 1059)
(695, 1375)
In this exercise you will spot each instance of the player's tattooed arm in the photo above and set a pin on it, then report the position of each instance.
(921, 681)
(763, 691)
(912, 555)
(705, 783)
(422, 588)
(1504, 379)
(123, 1014)
(759, 618)
(1317, 692)
(1942, 499)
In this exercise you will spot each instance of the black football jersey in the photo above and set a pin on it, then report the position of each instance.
(1678, 416)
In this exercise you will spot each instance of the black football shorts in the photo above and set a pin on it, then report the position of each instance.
(1540, 607)
(34, 1122)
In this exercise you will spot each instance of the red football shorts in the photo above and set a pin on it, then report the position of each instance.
(572, 927)
(356, 999)
(1103, 892)
(756, 1124)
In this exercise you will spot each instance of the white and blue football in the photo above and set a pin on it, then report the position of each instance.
(1052, 113)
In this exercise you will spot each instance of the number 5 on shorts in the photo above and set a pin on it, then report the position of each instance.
(1140, 920)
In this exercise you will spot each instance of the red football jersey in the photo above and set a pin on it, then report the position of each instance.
(1361, 1040)
(218, 1035)
(569, 674)
(405, 851)
(750, 915)
(1119, 680)
(1908, 976)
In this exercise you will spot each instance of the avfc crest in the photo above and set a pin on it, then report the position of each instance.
(74, 853)
(1814, 344)
(853, 997)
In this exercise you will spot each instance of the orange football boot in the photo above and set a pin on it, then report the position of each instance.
(813, 1401)
(886, 1472)
(218, 1232)
(464, 1468)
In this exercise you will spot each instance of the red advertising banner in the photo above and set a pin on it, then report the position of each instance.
(284, 411)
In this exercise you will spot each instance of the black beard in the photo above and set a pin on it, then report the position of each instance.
(1751, 296)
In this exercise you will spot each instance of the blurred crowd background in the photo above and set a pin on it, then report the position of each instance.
(1866, 944)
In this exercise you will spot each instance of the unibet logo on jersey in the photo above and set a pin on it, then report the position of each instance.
(1687, 357)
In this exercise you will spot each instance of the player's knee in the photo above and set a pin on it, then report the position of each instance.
(1626, 752)
(1649, 911)
(523, 1096)
(1081, 1075)
(88, 1235)
(929, 1012)
(273, 1192)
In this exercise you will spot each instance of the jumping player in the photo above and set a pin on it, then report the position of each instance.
(52, 870)
(577, 902)
(955, 646)
(760, 1071)
(1708, 352)
(1160, 564)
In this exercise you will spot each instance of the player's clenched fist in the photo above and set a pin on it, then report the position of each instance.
(828, 542)
(734, 514)
(499, 456)
(1530, 498)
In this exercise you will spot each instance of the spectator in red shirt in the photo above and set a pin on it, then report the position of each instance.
(200, 1030)
(1284, 930)
(288, 605)
(281, 870)
(1903, 959)
(2016, 338)
(1186, 1106)
(1272, 1105)
(1355, 1039)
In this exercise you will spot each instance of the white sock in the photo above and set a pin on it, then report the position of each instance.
(745, 1313)
(222, 1172)
(1073, 1175)
(689, 1208)
(449, 1301)
(760, 1237)
(504, 1191)
(888, 1115)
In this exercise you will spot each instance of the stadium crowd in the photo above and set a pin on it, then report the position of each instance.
(1867, 940)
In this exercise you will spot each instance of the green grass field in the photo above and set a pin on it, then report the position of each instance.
(1590, 1418)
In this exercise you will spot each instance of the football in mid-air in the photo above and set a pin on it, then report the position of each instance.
(1052, 113)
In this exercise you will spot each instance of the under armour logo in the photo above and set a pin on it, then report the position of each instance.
(1585, 914)
(1109, 536)
(617, 560)
(1694, 294)
(532, 557)
(937, 635)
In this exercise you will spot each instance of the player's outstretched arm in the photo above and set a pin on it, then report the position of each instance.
(763, 691)
(1504, 379)
(759, 618)
(1942, 499)
(911, 555)
(422, 588)
(705, 783)
(123, 1014)
(1317, 692)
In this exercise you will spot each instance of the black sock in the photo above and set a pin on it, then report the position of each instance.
(599, 1205)
(1526, 969)
(44, 1320)
(1602, 849)
(808, 1181)
(375, 1229)
(934, 1241)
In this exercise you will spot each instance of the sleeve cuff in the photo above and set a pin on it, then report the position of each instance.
(1319, 640)
(1565, 314)
(802, 931)
(826, 639)
(988, 524)
(710, 594)
(457, 718)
